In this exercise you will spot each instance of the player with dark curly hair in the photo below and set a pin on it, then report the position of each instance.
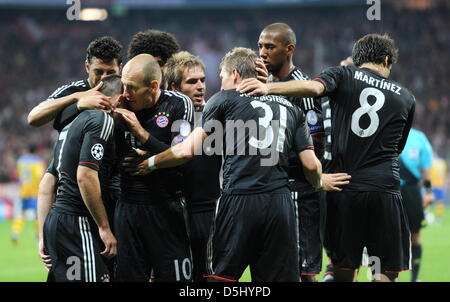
(103, 57)
(160, 44)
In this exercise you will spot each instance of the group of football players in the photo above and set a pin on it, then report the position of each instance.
(149, 180)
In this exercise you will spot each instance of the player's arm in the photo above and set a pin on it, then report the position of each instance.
(322, 181)
(47, 110)
(193, 144)
(311, 167)
(89, 185)
(139, 165)
(303, 144)
(183, 114)
(180, 153)
(46, 198)
(149, 142)
(98, 131)
(323, 85)
(299, 88)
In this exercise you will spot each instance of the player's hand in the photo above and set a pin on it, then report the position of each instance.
(427, 199)
(45, 258)
(119, 103)
(92, 99)
(137, 165)
(109, 241)
(263, 73)
(330, 182)
(133, 124)
(252, 86)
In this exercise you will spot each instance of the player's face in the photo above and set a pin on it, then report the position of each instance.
(272, 51)
(193, 84)
(136, 95)
(226, 79)
(98, 69)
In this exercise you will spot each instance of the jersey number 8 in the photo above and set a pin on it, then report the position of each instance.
(370, 110)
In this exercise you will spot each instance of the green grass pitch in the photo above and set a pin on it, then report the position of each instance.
(21, 263)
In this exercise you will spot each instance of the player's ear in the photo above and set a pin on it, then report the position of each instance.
(290, 49)
(236, 76)
(386, 62)
(173, 86)
(154, 86)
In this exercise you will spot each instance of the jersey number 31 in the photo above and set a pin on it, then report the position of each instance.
(266, 123)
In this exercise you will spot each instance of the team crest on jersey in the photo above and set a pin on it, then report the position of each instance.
(162, 120)
(97, 151)
(311, 117)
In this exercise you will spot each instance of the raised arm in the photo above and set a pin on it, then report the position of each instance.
(47, 110)
(180, 153)
(299, 89)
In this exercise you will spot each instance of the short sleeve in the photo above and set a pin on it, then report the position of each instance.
(330, 78)
(184, 110)
(62, 91)
(67, 115)
(52, 169)
(302, 139)
(213, 110)
(184, 118)
(98, 130)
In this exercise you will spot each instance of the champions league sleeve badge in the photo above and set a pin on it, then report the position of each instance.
(311, 117)
(97, 151)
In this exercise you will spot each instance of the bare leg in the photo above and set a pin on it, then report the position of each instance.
(387, 277)
(308, 278)
(416, 250)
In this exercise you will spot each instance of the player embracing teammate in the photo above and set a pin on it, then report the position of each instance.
(371, 118)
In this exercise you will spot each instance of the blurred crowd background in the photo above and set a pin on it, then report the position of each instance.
(41, 50)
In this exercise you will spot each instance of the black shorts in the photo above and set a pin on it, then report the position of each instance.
(152, 236)
(310, 231)
(412, 201)
(373, 219)
(259, 230)
(74, 247)
(200, 224)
